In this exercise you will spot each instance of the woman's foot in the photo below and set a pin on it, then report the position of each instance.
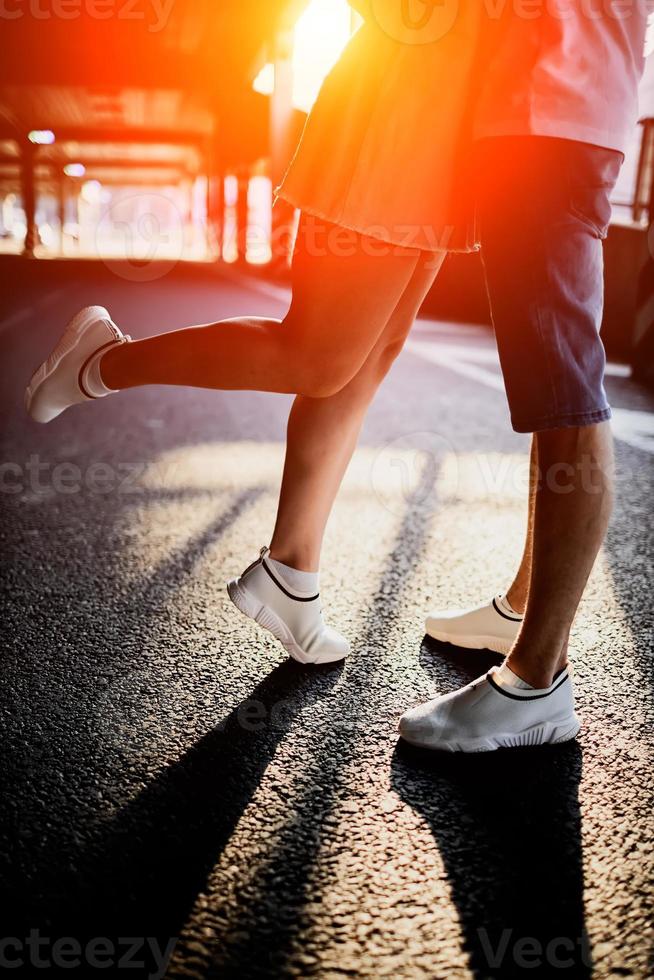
(294, 618)
(71, 374)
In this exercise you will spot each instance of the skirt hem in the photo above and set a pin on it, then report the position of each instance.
(360, 229)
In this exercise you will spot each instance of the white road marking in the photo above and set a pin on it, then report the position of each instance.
(617, 370)
(16, 318)
(636, 428)
(423, 325)
(448, 356)
(29, 311)
(488, 352)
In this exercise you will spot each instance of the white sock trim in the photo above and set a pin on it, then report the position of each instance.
(506, 676)
(507, 607)
(91, 381)
(296, 579)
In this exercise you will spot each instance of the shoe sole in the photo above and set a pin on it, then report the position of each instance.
(546, 733)
(73, 331)
(495, 643)
(250, 606)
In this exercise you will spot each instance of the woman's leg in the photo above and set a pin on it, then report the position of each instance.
(322, 434)
(342, 299)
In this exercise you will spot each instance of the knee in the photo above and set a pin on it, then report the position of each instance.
(578, 458)
(322, 375)
(315, 367)
(379, 362)
(324, 379)
(387, 355)
(593, 440)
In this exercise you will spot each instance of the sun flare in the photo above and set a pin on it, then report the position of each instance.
(319, 36)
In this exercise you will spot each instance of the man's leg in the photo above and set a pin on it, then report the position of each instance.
(529, 700)
(572, 508)
(519, 589)
(542, 252)
(494, 624)
(544, 209)
(322, 434)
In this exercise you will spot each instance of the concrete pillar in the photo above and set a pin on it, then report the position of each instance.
(219, 210)
(281, 142)
(242, 215)
(75, 188)
(215, 200)
(186, 211)
(643, 206)
(61, 210)
(649, 136)
(215, 208)
(28, 194)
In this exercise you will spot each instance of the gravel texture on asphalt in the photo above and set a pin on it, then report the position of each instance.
(168, 773)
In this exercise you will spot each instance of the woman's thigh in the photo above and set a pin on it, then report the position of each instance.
(346, 288)
(392, 338)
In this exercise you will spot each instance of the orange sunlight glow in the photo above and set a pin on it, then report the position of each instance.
(649, 39)
(320, 35)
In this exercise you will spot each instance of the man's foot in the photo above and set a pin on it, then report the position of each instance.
(490, 714)
(493, 626)
(293, 617)
(71, 373)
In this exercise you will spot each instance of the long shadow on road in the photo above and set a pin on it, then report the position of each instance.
(147, 866)
(269, 929)
(508, 829)
(133, 876)
(156, 856)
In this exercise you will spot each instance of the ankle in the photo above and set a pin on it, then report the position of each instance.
(563, 659)
(516, 596)
(109, 367)
(302, 560)
(537, 667)
(537, 674)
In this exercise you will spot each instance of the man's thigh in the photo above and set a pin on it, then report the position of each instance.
(544, 209)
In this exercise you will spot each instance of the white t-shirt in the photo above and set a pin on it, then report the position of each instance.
(564, 68)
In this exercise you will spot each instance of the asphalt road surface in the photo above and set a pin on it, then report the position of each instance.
(174, 788)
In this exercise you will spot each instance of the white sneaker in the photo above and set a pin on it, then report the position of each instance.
(63, 379)
(293, 617)
(488, 714)
(493, 626)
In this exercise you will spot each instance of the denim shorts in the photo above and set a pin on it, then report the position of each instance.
(543, 209)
